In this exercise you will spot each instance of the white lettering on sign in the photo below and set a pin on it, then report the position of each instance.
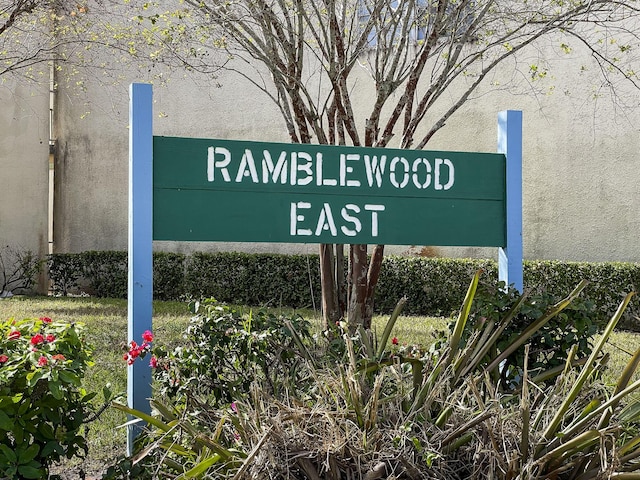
(296, 217)
(374, 209)
(247, 167)
(403, 172)
(375, 169)
(269, 170)
(348, 170)
(300, 168)
(350, 221)
(357, 225)
(325, 221)
(418, 181)
(212, 164)
(449, 184)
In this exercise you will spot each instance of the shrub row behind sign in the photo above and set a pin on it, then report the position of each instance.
(434, 286)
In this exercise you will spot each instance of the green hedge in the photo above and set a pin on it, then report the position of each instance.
(105, 274)
(433, 286)
(255, 279)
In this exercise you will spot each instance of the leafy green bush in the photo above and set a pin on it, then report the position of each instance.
(550, 346)
(42, 402)
(225, 352)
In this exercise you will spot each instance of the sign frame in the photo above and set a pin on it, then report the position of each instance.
(140, 231)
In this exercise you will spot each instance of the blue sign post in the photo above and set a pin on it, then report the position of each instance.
(140, 284)
(510, 143)
(211, 162)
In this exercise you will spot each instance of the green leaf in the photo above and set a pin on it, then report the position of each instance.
(56, 390)
(8, 453)
(69, 377)
(106, 392)
(50, 447)
(33, 377)
(389, 327)
(143, 416)
(18, 433)
(29, 454)
(200, 468)
(5, 422)
(22, 409)
(28, 471)
(631, 413)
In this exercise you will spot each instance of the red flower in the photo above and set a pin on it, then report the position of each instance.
(37, 339)
(42, 361)
(134, 350)
(50, 338)
(394, 340)
(153, 363)
(45, 319)
(59, 357)
(14, 335)
(3, 358)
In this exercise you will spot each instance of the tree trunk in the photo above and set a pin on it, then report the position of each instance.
(331, 311)
(349, 295)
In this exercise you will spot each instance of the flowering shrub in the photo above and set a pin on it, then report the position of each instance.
(42, 403)
(225, 352)
(139, 351)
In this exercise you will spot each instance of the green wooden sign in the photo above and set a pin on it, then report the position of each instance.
(207, 189)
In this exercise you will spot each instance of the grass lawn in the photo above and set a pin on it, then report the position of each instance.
(106, 322)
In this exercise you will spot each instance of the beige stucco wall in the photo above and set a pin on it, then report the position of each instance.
(24, 165)
(581, 199)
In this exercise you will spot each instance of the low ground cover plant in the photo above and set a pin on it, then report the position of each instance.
(374, 407)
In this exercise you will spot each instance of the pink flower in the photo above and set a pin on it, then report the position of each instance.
(3, 358)
(394, 341)
(45, 319)
(58, 357)
(14, 335)
(50, 338)
(134, 349)
(37, 339)
(234, 407)
(42, 361)
(153, 363)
